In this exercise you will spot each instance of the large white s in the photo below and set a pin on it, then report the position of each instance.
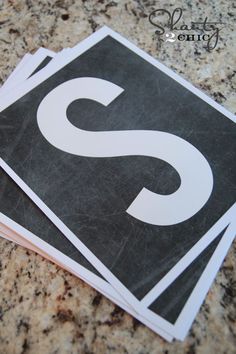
(194, 170)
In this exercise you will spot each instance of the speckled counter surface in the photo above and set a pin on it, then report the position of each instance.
(44, 309)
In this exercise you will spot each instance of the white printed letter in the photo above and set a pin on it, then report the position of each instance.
(194, 171)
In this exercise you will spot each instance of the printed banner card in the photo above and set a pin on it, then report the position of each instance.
(168, 305)
(131, 163)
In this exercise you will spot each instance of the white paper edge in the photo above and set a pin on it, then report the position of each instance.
(19, 66)
(26, 70)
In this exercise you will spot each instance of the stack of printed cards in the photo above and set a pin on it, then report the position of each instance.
(121, 172)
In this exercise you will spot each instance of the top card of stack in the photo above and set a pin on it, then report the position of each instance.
(134, 165)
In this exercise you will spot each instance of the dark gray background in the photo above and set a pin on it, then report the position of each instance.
(91, 195)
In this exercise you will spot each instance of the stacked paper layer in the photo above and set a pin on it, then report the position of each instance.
(129, 166)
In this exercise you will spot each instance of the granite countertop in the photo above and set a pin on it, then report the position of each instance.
(44, 309)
